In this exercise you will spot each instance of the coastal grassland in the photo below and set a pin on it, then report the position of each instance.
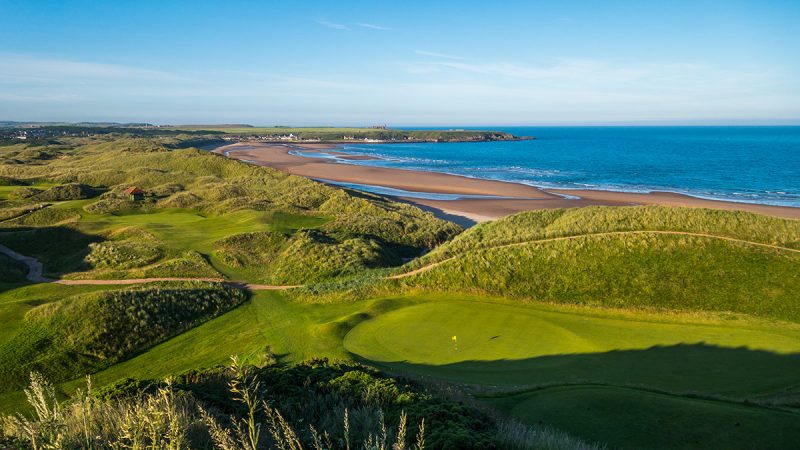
(338, 405)
(612, 323)
(199, 210)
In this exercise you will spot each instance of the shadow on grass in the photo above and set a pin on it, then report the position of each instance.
(681, 396)
(61, 249)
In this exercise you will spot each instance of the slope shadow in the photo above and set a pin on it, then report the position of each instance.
(680, 396)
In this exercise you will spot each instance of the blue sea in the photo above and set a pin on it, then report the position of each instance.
(741, 164)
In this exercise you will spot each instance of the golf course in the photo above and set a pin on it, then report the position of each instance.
(596, 327)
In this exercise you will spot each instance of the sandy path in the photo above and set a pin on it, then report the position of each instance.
(35, 268)
(519, 197)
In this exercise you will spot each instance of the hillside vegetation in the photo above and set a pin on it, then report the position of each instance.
(197, 217)
(605, 256)
(84, 333)
(547, 224)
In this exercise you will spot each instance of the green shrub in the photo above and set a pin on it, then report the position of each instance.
(311, 405)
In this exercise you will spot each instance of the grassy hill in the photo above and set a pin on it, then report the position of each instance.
(634, 327)
(197, 218)
(634, 257)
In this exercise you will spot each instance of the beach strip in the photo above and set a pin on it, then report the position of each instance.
(514, 197)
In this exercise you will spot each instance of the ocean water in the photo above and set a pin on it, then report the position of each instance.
(742, 164)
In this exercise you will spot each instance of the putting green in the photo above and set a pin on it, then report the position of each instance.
(424, 334)
(627, 379)
(499, 343)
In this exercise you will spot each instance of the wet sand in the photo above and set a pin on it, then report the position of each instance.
(516, 197)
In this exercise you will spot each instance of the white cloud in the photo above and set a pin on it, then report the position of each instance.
(15, 68)
(372, 26)
(443, 90)
(333, 25)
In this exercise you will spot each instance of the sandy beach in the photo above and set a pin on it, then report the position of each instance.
(516, 197)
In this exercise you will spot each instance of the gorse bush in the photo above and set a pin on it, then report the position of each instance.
(112, 324)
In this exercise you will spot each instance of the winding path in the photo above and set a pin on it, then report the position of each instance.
(35, 267)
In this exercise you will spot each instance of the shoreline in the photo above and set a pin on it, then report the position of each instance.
(508, 198)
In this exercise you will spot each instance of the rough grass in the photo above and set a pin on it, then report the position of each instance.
(195, 201)
(85, 333)
(545, 224)
(634, 271)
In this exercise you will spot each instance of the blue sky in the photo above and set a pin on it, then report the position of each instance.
(401, 63)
